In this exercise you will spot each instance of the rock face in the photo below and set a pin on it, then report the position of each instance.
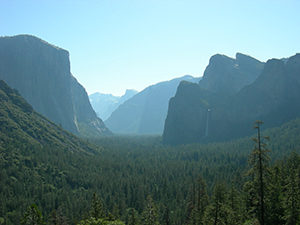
(227, 76)
(146, 111)
(273, 98)
(20, 123)
(41, 73)
(187, 114)
(105, 104)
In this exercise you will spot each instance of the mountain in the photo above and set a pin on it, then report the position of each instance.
(196, 114)
(227, 76)
(146, 111)
(20, 125)
(105, 104)
(41, 73)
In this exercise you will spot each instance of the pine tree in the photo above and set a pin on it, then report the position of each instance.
(150, 215)
(33, 216)
(166, 216)
(275, 208)
(292, 201)
(259, 160)
(56, 217)
(198, 203)
(236, 209)
(217, 212)
(133, 217)
(97, 207)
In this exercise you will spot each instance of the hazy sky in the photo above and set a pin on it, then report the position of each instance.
(116, 45)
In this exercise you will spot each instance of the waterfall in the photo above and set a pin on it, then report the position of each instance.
(206, 127)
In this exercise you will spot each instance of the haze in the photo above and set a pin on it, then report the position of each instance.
(119, 45)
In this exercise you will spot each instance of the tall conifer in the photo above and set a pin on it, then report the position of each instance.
(259, 160)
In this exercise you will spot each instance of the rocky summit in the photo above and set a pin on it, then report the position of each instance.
(227, 76)
(198, 114)
(41, 73)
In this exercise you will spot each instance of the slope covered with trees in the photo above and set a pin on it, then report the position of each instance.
(135, 176)
(55, 176)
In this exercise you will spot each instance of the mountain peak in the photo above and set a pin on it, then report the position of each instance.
(41, 73)
(271, 98)
(225, 75)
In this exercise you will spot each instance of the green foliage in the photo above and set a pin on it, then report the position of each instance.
(198, 202)
(56, 217)
(97, 207)
(259, 161)
(33, 216)
(41, 163)
(94, 221)
(218, 212)
(133, 217)
(150, 216)
(292, 201)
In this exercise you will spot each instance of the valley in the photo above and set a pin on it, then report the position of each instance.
(182, 151)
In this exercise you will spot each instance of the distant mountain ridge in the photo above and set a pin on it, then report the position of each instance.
(41, 73)
(196, 114)
(105, 104)
(146, 111)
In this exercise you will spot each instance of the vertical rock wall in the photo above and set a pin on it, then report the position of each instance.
(41, 73)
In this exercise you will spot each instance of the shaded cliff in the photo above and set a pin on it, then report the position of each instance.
(146, 111)
(227, 76)
(273, 98)
(41, 73)
(187, 114)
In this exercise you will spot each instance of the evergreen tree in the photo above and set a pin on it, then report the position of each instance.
(198, 203)
(93, 221)
(133, 218)
(259, 161)
(275, 208)
(116, 212)
(97, 207)
(150, 215)
(190, 209)
(56, 217)
(217, 212)
(166, 216)
(201, 198)
(292, 201)
(235, 207)
(33, 216)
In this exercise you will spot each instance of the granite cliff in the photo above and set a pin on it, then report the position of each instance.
(41, 73)
(146, 111)
(227, 76)
(273, 98)
(21, 124)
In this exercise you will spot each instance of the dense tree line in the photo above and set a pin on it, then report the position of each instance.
(140, 181)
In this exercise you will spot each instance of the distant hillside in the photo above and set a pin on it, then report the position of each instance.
(19, 122)
(41, 73)
(197, 114)
(105, 104)
(146, 111)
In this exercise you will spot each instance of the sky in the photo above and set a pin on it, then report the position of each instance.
(116, 45)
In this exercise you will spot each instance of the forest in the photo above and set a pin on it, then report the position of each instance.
(137, 180)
